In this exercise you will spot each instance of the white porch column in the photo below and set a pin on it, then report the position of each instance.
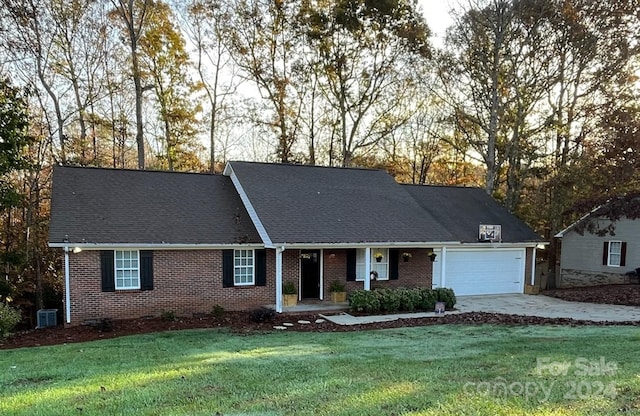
(67, 295)
(443, 271)
(367, 268)
(533, 265)
(279, 251)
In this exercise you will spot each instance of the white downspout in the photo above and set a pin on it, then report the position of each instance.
(279, 251)
(443, 273)
(367, 268)
(67, 295)
(321, 260)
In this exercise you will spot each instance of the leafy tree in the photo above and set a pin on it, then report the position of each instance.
(495, 76)
(165, 62)
(593, 43)
(30, 40)
(14, 138)
(132, 16)
(205, 22)
(366, 52)
(15, 165)
(262, 39)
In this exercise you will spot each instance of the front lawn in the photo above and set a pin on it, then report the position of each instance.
(434, 370)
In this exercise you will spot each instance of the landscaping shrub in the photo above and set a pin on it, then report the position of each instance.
(427, 299)
(168, 316)
(389, 300)
(409, 299)
(262, 314)
(9, 318)
(217, 311)
(400, 299)
(364, 301)
(447, 296)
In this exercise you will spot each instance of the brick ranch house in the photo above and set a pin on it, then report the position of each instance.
(138, 243)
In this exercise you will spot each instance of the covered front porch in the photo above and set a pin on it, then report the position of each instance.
(309, 272)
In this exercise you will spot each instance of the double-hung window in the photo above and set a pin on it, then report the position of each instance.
(243, 267)
(615, 253)
(380, 267)
(127, 269)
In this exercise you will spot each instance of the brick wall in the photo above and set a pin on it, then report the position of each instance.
(290, 267)
(190, 281)
(185, 282)
(417, 272)
(580, 278)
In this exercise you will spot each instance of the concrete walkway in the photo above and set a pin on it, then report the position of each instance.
(526, 305)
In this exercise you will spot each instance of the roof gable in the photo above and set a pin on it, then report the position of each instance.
(113, 206)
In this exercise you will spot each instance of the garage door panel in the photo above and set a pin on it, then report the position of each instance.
(485, 272)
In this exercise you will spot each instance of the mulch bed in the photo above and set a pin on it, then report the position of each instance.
(611, 294)
(240, 322)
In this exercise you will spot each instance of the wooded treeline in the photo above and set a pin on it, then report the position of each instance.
(534, 100)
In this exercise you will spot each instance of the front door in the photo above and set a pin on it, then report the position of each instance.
(310, 273)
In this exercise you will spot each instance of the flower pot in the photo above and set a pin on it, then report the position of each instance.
(406, 259)
(378, 259)
(338, 297)
(290, 300)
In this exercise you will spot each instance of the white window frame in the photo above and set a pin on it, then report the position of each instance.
(250, 265)
(134, 271)
(611, 253)
(381, 267)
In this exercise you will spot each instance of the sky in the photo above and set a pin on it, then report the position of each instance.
(436, 13)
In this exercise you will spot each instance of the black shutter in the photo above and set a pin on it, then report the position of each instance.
(351, 265)
(393, 264)
(261, 267)
(623, 254)
(227, 268)
(107, 270)
(605, 254)
(146, 270)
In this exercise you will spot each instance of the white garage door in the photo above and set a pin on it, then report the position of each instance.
(485, 272)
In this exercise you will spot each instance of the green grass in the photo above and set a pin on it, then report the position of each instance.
(434, 370)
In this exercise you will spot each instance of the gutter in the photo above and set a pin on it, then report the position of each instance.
(153, 246)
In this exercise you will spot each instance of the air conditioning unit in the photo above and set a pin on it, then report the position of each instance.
(47, 318)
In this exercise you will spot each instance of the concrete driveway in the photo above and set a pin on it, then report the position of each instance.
(547, 307)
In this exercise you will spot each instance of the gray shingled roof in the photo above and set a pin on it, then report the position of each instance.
(311, 204)
(296, 204)
(462, 210)
(109, 206)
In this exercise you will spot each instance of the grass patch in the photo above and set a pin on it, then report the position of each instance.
(435, 370)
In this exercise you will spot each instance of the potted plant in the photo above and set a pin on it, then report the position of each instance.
(378, 256)
(290, 294)
(338, 292)
(406, 256)
(432, 256)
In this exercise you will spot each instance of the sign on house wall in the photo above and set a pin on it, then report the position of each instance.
(490, 232)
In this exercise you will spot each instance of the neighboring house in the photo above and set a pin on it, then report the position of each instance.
(138, 243)
(588, 259)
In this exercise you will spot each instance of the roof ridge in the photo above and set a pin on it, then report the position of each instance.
(440, 186)
(309, 166)
(111, 169)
